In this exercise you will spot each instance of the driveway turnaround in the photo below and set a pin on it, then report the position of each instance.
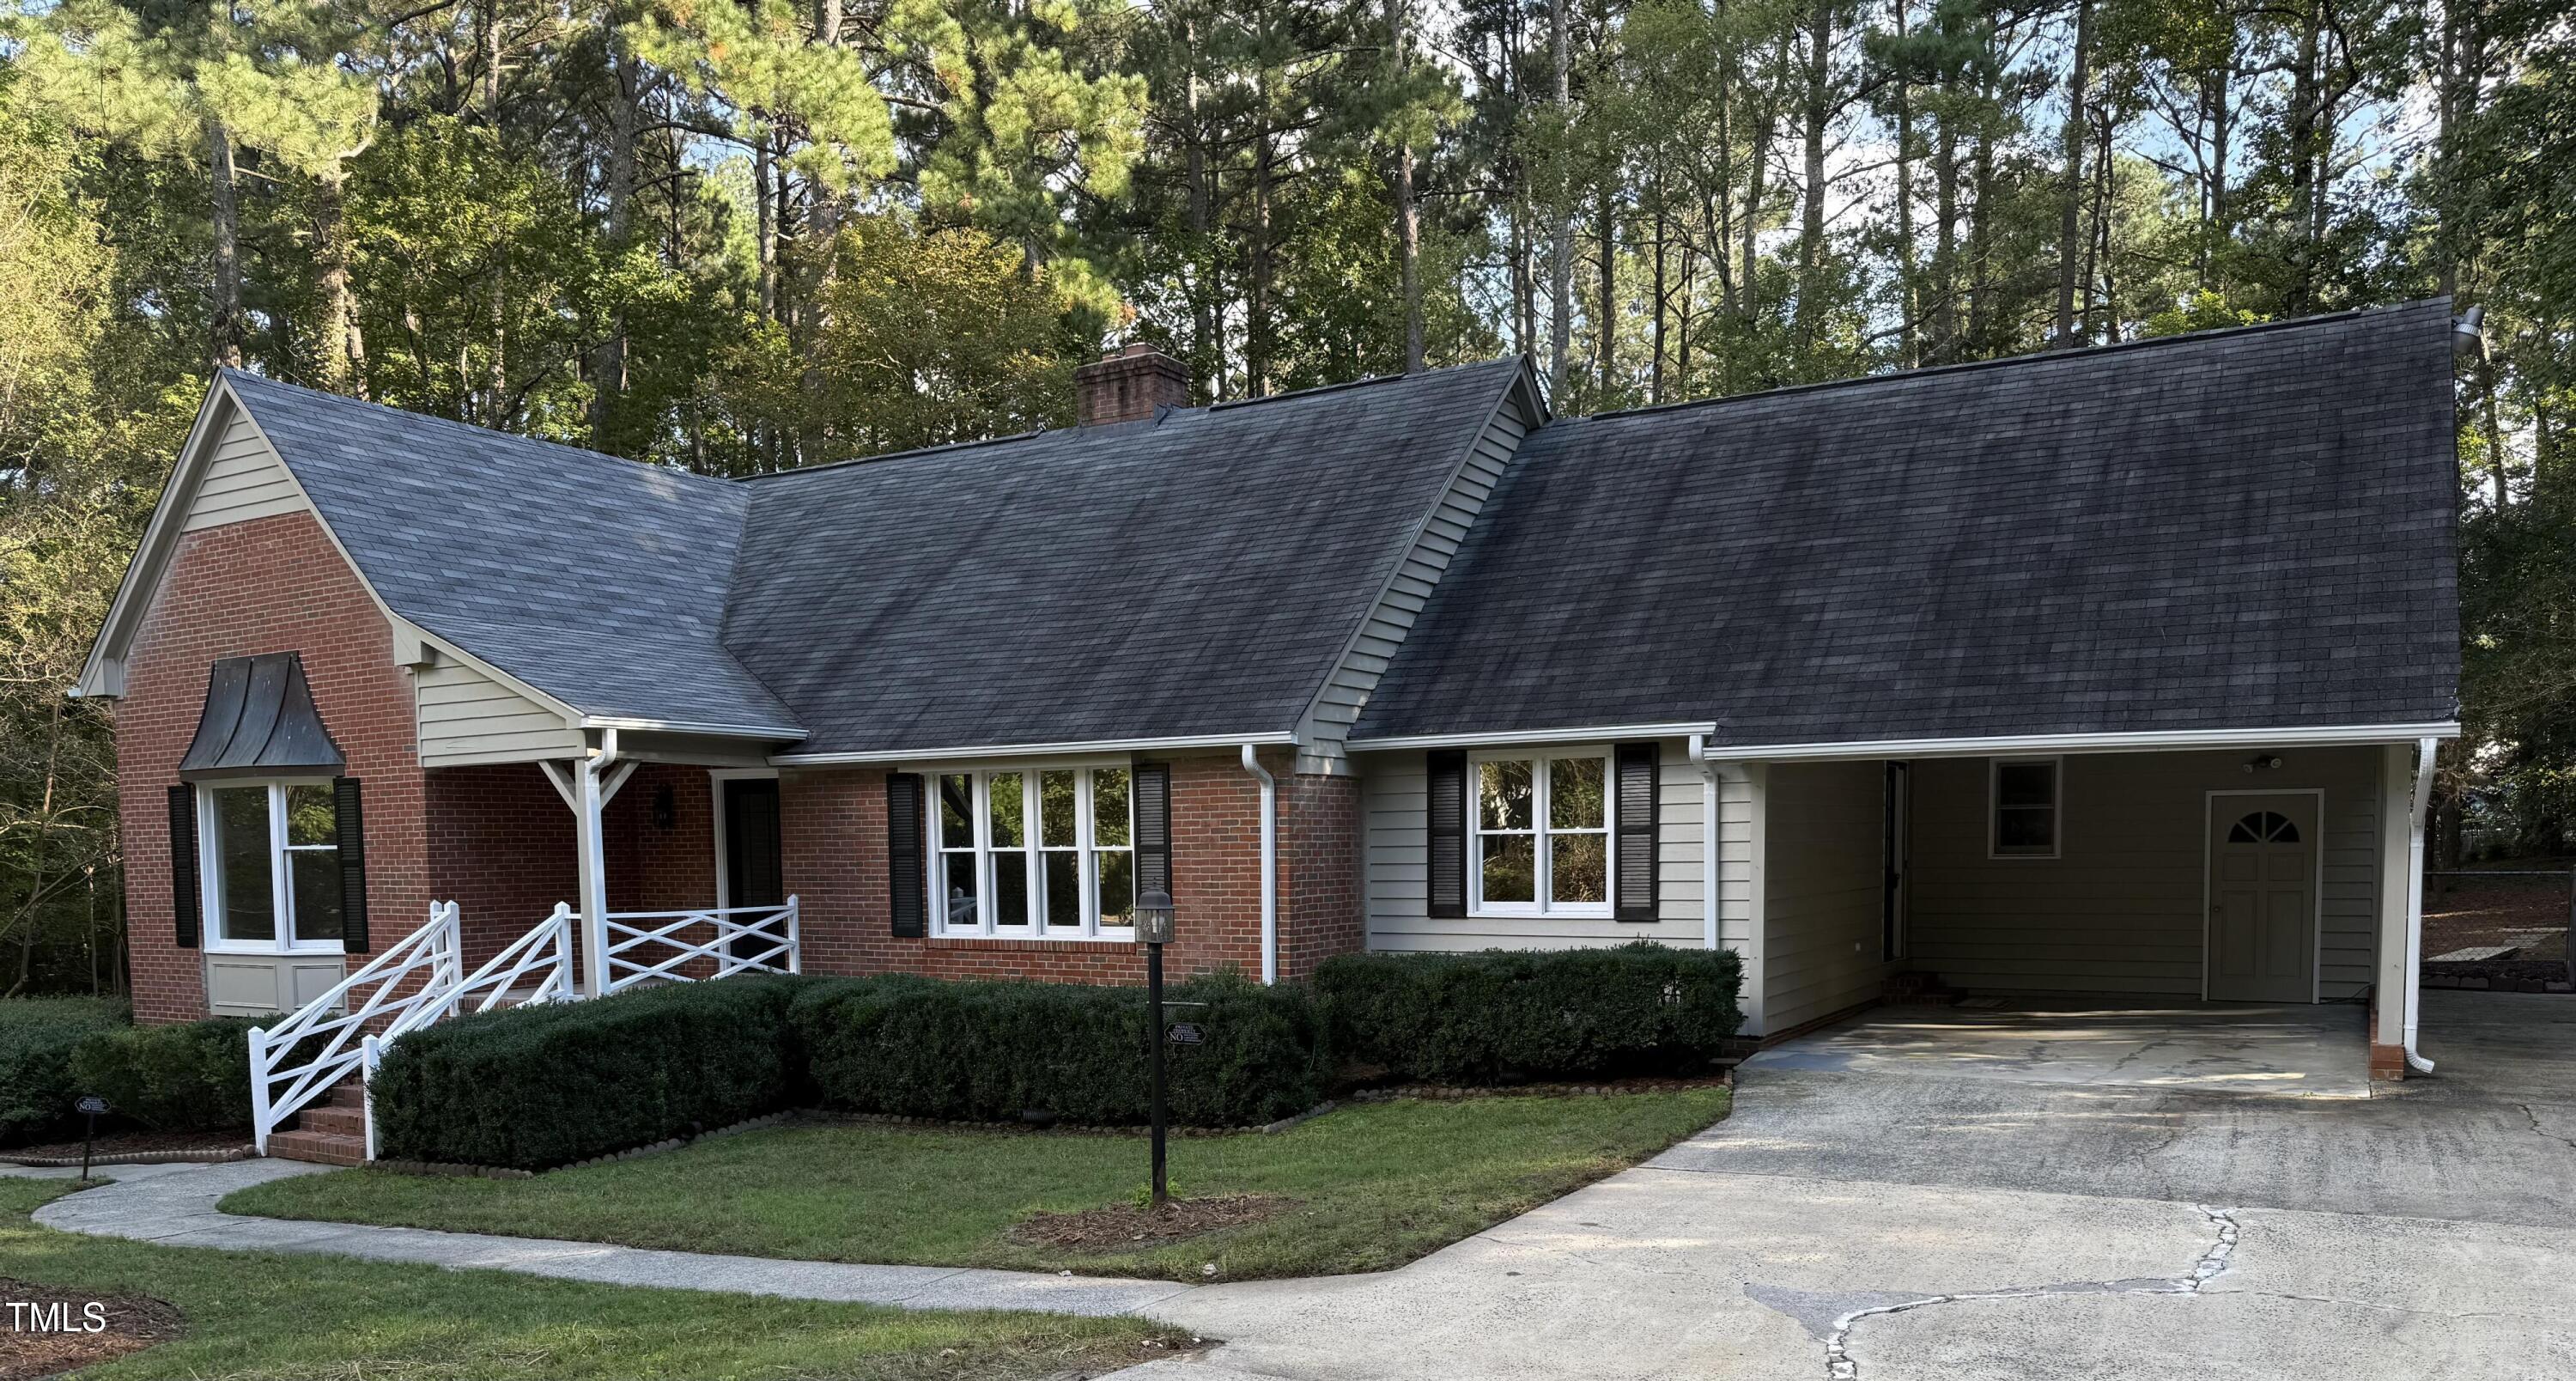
(1914, 1227)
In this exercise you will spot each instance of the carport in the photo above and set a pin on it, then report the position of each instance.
(2226, 910)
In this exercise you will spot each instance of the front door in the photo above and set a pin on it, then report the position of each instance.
(2263, 898)
(753, 875)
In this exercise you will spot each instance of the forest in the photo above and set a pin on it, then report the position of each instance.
(741, 235)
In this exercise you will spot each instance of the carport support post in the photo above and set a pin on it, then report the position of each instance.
(2396, 793)
(587, 808)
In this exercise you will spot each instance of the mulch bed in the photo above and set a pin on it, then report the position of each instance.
(132, 1144)
(134, 1322)
(1122, 1227)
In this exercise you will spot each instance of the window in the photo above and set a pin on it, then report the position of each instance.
(1541, 830)
(272, 865)
(2025, 795)
(1046, 853)
(2264, 827)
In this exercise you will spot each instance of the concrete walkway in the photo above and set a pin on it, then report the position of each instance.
(174, 1206)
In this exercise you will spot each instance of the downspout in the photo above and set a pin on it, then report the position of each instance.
(2414, 994)
(1269, 864)
(1708, 871)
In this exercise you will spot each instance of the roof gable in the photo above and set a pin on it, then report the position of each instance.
(598, 581)
(2245, 529)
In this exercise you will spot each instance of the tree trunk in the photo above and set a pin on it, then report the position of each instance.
(608, 359)
(226, 324)
(2070, 205)
(1908, 305)
(1257, 328)
(1811, 234)
(765, 228)
(1749, 289)
(1561, 272)
(496, 371)
(1408, 219)
(1204, 315)
(2304, 191)
(342, 342)
(1655, 376)
(1944, 343)
(1606, 355)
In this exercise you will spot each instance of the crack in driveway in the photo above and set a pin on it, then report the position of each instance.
(1835, 1329)
(2540, 1131)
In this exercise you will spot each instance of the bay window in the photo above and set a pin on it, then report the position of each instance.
(1540, 834)
(1035, 853)
(271, 864)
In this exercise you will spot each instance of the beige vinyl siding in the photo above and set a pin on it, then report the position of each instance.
(1824, 833)
(467, 717)
(1329, 721)
(2121, 910)
(1391, 800)
(243, 480)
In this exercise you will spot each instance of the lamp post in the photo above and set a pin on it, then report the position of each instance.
(1154, 927)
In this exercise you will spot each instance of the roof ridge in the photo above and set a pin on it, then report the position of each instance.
(1364, 381)
(844, 463)
(2031, 357)
(235, 371)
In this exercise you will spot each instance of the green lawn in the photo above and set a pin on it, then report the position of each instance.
(277, 1318)
(1378, 1185)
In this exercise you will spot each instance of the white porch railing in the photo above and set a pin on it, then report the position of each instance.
(416, 982)
(648, 945)
(412, 976)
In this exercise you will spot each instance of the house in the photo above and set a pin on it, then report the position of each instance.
(2111, 671)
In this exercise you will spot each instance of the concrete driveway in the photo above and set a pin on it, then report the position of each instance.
(1924, 1228)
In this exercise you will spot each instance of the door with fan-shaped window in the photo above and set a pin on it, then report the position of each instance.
(2263, 898)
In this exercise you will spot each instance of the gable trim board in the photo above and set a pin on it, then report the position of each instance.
(1436, 536)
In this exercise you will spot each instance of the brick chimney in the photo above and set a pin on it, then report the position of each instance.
(1128, 385)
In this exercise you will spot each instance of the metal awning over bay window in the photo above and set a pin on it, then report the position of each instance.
(267, 831)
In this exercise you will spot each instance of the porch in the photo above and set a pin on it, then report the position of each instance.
(559, 880)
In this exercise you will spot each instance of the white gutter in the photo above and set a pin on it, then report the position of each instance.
(1026, 750)
(682, 726)
(1269, 865)
(2413, 997)
(2312, 736)
(1582, 734)
(1708, 871)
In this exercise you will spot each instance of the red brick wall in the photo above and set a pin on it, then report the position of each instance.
(501, 845)
(834, 825)
(269, 585)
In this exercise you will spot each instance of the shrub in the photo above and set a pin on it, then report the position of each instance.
(37, 1037)
(1504, 1015)
(191, 1077)
(535, 1087)
(989, 1052)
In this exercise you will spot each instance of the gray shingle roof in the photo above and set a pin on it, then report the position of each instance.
(2242, 529)
(1196, 576)
(596, 580)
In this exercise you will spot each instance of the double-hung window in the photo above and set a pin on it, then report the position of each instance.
(1036, 853)
(2025, 793)
(271, 863)
(1541, 834)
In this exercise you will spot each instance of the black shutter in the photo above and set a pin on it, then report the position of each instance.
(349, 820)
(905, 881)
(1636, 831)
(1153, 785)
(183, 862)
(1445, 833)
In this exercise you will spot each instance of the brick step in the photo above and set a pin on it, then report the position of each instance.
(320, 1148)
(348, 1093)
(335, 1119)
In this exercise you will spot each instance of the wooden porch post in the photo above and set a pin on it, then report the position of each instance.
(593, 867)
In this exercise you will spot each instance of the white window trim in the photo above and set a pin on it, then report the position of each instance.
(1033, 851)
(1539, 756)
(281, 885)
(2056, 808)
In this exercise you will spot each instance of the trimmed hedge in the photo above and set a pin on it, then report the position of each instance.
(1504, 1015)
(37, 1038)
(191, 1077)
(536, 1087)
(991, 1052)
